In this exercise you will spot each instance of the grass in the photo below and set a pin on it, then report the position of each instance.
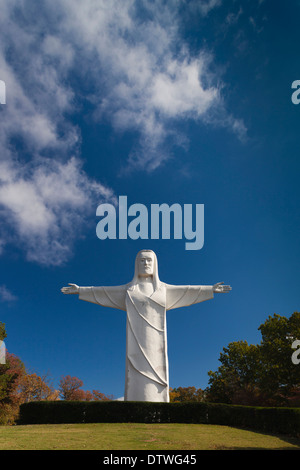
(104, 436)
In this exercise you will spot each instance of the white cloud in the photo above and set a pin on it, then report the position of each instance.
(45, 196)
(206, 6)
(47, 205)
(6, 295)
(127, 60)
(145, 79)
(130, 53)
(178, 90)
(232, 18)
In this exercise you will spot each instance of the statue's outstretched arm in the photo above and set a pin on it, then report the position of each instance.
(219, 288)
(108, 296)
(182, 296)
(73, 289)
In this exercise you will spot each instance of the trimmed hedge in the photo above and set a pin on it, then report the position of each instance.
(274, 420)
(54, 412)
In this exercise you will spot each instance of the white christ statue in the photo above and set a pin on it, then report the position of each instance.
(146, 300)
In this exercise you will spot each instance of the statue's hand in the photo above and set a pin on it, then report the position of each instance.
(73, 289)
(219, 288)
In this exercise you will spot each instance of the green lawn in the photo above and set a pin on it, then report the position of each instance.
(103, 436)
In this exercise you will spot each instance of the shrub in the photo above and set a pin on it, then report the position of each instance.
(8, 413)
(277, 420)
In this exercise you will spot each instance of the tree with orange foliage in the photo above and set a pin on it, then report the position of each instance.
(31, 387)
(69, 388)
(98, 396)
(10, 375)
(182, 394)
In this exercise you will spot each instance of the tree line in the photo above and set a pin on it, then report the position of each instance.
(18, 386)
(256, 375)
(263, 374)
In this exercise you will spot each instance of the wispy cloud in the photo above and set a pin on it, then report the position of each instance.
(45, 195)
(46, 204)
(6, 295)
(127, 61)
(144, 77)
(204, 6)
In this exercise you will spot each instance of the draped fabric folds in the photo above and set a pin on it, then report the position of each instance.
(147, 369)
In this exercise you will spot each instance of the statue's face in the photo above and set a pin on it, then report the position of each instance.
(146, 263)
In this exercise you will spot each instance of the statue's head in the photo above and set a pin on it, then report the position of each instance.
(145, 266)
(145, 263)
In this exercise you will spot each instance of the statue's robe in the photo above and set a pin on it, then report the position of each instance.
(147, 369)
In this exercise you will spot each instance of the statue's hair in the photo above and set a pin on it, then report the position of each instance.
(135, 280)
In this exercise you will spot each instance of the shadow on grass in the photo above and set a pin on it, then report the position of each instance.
(292, 440)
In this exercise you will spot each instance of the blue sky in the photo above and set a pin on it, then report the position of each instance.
(172, 101)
